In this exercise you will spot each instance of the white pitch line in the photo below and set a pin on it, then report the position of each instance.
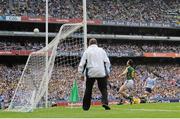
(154, 110)
(176, 106)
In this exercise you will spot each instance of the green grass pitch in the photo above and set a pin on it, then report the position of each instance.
(155, 110)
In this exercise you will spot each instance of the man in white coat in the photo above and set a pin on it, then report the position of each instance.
(95, 65)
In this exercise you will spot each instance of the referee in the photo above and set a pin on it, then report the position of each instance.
(95, 65)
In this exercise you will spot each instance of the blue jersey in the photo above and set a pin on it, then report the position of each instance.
(150, 83)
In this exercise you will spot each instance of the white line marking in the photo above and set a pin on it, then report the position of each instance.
(154, 110)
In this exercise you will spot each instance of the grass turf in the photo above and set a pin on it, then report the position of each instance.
(156, 110)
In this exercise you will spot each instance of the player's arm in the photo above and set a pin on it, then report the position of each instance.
(136, 77)
(155, 82)
(124, 72)
(107, 63)
(82, 65)
(145, 83)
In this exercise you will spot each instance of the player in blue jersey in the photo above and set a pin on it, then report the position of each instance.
(149, 85)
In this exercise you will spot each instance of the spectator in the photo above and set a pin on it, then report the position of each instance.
(62, 80)
(122, 10)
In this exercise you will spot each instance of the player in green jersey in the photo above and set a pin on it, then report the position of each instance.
(129, 82)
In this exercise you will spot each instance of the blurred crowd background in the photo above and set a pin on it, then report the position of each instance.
(167, 84)
(125, 10)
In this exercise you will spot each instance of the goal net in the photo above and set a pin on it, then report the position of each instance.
(62, 55)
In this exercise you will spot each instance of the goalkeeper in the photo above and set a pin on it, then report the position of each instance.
(95, 65)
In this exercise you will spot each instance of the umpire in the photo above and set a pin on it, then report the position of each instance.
(95, 65)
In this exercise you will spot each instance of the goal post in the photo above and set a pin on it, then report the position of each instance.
(64, 53)
(55, 64)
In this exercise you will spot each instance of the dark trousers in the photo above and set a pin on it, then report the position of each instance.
(102, 85)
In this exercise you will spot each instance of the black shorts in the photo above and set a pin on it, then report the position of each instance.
(149, 90)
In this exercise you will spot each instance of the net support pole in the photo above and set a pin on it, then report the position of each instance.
(46, 93)
(85, 23)
(85, 32)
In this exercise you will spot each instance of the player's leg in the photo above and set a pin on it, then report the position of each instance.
(88, 93)
(147, 93)
(122, 94)
(122, 90)
(102, 85)
(130, 86)
(131, 95)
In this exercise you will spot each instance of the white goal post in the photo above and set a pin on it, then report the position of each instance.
(32, 84)
(55, 64)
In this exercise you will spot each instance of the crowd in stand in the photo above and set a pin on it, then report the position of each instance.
(121, 10)
(9, 76)
(62, 79)
(136, 49)
(118, 49)
(25, 45)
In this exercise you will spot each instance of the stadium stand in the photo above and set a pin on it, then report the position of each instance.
(59, 88)
(123, 48)
(125, 10)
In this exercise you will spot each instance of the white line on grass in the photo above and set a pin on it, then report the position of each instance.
(72, 107)
(153, 110)
(176, 106)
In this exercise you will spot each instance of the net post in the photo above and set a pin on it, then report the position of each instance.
(85, 30)
(46, 95)
(85, 23)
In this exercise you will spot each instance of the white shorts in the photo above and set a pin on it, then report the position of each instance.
(129, 84)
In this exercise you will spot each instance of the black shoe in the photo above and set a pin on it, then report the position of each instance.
(106, 107)
(119, 103)
(85, 109)
(131, 100)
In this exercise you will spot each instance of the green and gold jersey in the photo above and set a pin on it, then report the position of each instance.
(130, 73)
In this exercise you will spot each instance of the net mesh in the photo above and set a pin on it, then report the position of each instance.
(63, 54)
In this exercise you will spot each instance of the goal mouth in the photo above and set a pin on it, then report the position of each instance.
(58, 58)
